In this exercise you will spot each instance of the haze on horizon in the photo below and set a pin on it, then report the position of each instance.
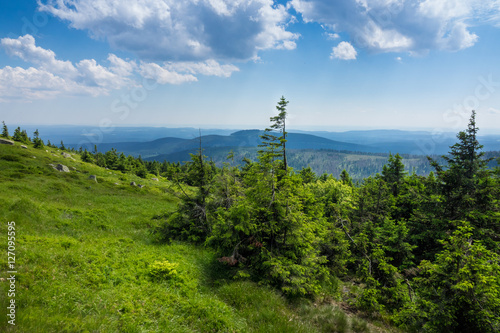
(347, 65)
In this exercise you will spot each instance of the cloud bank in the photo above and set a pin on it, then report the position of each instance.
(401, 25)
(174, 42)
(52, 77)
(189, 30)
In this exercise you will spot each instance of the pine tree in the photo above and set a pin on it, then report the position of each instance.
(26, 138)
(468, 188)
(345, 178)
(5, 131)
(38, 143)
(394, 172)
(17, 135)
(276, 145)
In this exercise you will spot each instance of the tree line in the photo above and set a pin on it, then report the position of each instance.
(423, 250)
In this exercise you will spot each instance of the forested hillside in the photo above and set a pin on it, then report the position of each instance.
(420, 253)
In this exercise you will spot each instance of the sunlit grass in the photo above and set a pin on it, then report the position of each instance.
(85, 251)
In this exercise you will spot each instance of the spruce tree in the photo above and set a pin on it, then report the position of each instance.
(38, 143)
(5, 131)
(467, 187)
(276, 145)
(17, 136)
(345, 178)
(394, 172)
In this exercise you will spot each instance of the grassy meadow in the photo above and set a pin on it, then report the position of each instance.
(88, 261)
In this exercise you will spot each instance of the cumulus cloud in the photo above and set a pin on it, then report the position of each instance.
(53, 77)
(344, 51)
(399, 25)
(162, 75)
(190, 30)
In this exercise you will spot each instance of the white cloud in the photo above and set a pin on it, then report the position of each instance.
(399, 25)
(190, 30)
(24, 47)
(209, 67)
(163, 75)
(333, 36)
(53, 77)
(344, 51)
(32, 83)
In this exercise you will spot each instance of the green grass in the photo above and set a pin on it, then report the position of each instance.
(87, 261)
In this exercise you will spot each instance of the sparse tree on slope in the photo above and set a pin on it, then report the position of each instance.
(5, 131)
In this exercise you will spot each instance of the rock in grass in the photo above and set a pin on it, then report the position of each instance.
(155, 179)
(6, 142)
(24, 147)
(140, 186)
(62, 168)
(133, 184)
(66, 155)
(93, 177)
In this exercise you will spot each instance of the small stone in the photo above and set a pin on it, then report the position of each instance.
(93, 177)
(66, 155)
(140, 186)
(133, 184)
(24, 147)
(155, 179)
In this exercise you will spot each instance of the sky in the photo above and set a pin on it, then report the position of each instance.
(342, 65)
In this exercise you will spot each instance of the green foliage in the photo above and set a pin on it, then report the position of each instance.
(87, 260)
(460, 291)
(307, 175)
(394, 172)
(20, 136)
(37, 142)
(419, 252)
(468, 189)
(5, 130)
(275, 146)
(163, 270)
(346, 178)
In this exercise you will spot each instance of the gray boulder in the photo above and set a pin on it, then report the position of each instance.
(66, 155)
(133, 184)
(62, 168)
(6, 142)
(93, 177)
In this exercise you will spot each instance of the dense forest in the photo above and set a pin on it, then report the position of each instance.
(422, 252)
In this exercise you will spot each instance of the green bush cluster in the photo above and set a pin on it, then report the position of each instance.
(423, 249)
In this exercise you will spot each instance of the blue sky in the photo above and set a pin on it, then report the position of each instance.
(343, 65)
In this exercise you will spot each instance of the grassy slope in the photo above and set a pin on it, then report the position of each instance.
(84, 253)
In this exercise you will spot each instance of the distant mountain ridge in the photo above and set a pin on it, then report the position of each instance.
(245, 138)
